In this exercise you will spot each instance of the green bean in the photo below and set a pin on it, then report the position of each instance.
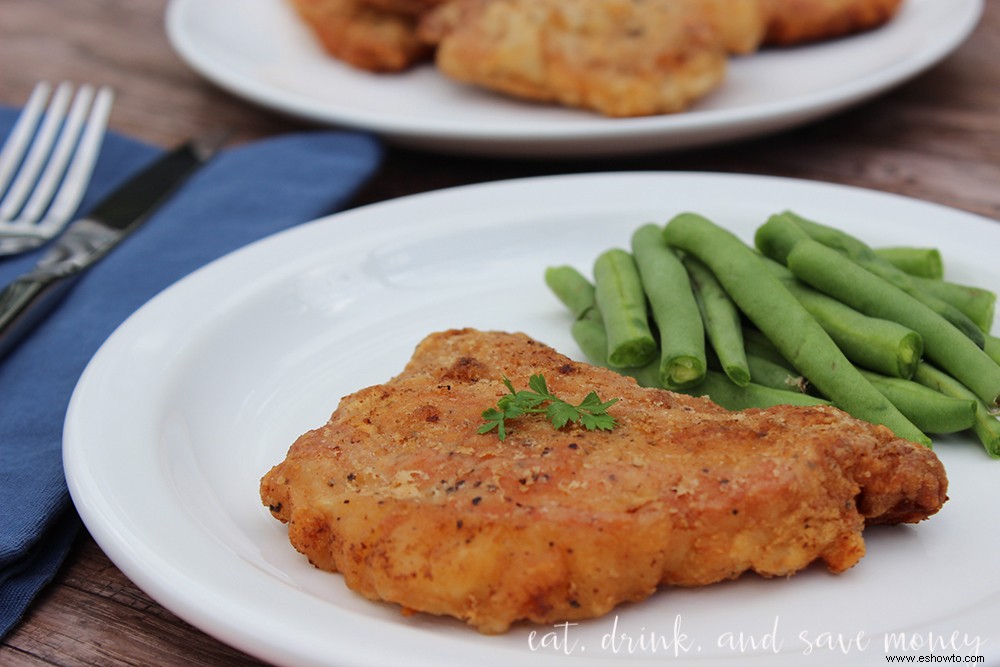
(930, 410)
(976, 303)
(833, 273)
(723, 392)
(593, 342)
(668, 289)
(796, 334)
(776, 237)
(992, 348)
(769, 374)
(722, 321)
(572, 288)
(757, 344)
(986, 427)
(623, 305)
(873, 343)
(861, 253)
(578, 294)
(589, 335)
(923, 262)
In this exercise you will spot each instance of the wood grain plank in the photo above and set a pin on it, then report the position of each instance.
(93, 615)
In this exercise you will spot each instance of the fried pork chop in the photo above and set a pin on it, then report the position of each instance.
(400, 494)
(799, 21)
(618, 57)
(365, 36)
(625, 57)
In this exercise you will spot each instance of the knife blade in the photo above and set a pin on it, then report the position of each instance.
(31, 296)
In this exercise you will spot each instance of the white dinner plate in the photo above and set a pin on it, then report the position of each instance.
(203, 389)
(260, 50)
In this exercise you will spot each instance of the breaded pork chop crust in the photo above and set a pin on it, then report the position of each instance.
(363, 35)
(400, 494)
(799, 21)
(618, 57)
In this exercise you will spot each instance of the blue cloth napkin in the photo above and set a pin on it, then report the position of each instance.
(244, 194)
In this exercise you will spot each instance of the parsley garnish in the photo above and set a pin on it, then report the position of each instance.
(592, 413)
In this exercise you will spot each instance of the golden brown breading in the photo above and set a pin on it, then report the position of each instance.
(619, 57)
(798, 21)
(366, 37)
(400, 494)
(740, 24)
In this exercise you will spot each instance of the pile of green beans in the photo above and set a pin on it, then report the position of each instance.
(808, 315)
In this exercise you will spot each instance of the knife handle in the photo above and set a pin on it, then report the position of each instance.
(25, 301)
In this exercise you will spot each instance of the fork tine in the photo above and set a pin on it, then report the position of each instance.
(63, 150)
(74, 183)
(20, 135)
(40, 149)
(56, 166)
(81, 140)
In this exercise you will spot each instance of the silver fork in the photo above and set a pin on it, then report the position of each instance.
(47, 161)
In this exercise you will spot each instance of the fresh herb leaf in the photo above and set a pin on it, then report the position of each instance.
(537, 384)
(494, 419)
(591, 413)
(560, 413)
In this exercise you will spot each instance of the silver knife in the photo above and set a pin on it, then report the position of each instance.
(25, 301)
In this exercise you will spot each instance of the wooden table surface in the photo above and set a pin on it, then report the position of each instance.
(936, 138)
